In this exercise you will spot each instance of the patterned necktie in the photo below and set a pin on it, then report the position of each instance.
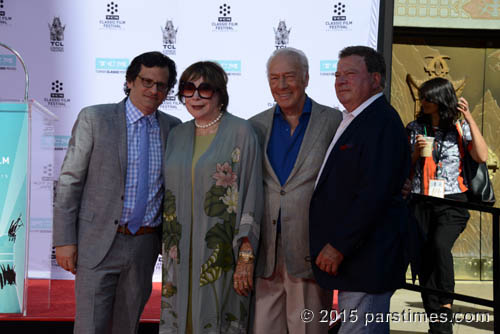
(141, 199)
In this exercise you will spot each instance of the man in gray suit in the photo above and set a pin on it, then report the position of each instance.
(108, 205)
(294, 135)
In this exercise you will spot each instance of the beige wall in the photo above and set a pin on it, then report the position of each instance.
(477, 72)
(459, 14)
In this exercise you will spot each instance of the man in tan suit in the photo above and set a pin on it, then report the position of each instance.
(294, 135)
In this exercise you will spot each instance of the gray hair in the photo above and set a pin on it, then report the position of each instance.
(297, 55)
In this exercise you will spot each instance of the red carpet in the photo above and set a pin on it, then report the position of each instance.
(58, 302)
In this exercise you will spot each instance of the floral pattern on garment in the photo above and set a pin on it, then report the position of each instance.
(221, 202)
(446, 143)
(209, 207)
(171, 236)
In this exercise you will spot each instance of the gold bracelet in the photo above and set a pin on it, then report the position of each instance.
(246, 257)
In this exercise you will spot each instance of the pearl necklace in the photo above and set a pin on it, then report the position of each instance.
(209, 124)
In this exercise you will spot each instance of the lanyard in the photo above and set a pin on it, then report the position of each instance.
(438, 154)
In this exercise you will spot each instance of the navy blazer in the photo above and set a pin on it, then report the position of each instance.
(357, 205)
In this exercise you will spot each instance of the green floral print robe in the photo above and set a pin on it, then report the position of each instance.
(226, 207)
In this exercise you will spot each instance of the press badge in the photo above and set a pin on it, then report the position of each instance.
(436, 188)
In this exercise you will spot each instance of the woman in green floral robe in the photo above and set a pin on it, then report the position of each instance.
(212, 210)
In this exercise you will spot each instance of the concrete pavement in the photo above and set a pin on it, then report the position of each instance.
(407, 310)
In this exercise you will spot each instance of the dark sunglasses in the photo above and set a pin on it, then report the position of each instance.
(187, 89)
(426, 98)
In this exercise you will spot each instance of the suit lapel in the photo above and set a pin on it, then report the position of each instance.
(164, 129)
(269, 121)
(120, 127)
(314, 128)
(351, 130)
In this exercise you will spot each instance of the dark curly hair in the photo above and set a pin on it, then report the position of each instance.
(213, 74)
(150, 59)
(441, 92)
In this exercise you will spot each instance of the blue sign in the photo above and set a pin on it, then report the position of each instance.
(230, 66)
(61, 142)
(8, 61)
(328, 66)
(13, 205)
(111, 64)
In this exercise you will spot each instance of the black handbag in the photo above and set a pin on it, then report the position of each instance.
(477, 177)
(478, 181)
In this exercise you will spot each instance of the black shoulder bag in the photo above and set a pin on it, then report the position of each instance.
(480, 187)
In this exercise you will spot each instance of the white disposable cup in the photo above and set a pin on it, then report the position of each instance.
(426, 151)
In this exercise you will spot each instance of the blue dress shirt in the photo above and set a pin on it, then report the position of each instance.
(155, 198)
(283, 147)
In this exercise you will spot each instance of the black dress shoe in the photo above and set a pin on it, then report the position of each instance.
(444, 324)
(334, 329)
(447, 325)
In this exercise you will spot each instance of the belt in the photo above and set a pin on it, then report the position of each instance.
(123, 229)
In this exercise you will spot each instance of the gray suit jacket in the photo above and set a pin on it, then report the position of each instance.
(294, 197)
(90, 191)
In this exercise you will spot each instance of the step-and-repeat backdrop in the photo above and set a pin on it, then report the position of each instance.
(77, 53)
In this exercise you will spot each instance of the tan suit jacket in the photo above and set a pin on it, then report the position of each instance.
(294, 197)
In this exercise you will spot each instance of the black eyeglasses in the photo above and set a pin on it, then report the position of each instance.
(148, 83)
(205, 90)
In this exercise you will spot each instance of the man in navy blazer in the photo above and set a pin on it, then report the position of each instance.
(358, 218)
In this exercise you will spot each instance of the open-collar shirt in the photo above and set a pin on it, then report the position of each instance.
(347, 118)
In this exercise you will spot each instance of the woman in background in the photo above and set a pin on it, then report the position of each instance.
(442, 173)
(213, 205)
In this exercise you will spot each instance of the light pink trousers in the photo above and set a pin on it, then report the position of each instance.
(281, 300)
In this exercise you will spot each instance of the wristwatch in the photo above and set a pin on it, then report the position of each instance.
(246, 256)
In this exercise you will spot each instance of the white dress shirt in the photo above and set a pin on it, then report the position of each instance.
(347, 118)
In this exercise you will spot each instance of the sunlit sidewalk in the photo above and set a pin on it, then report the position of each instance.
(407, 311)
